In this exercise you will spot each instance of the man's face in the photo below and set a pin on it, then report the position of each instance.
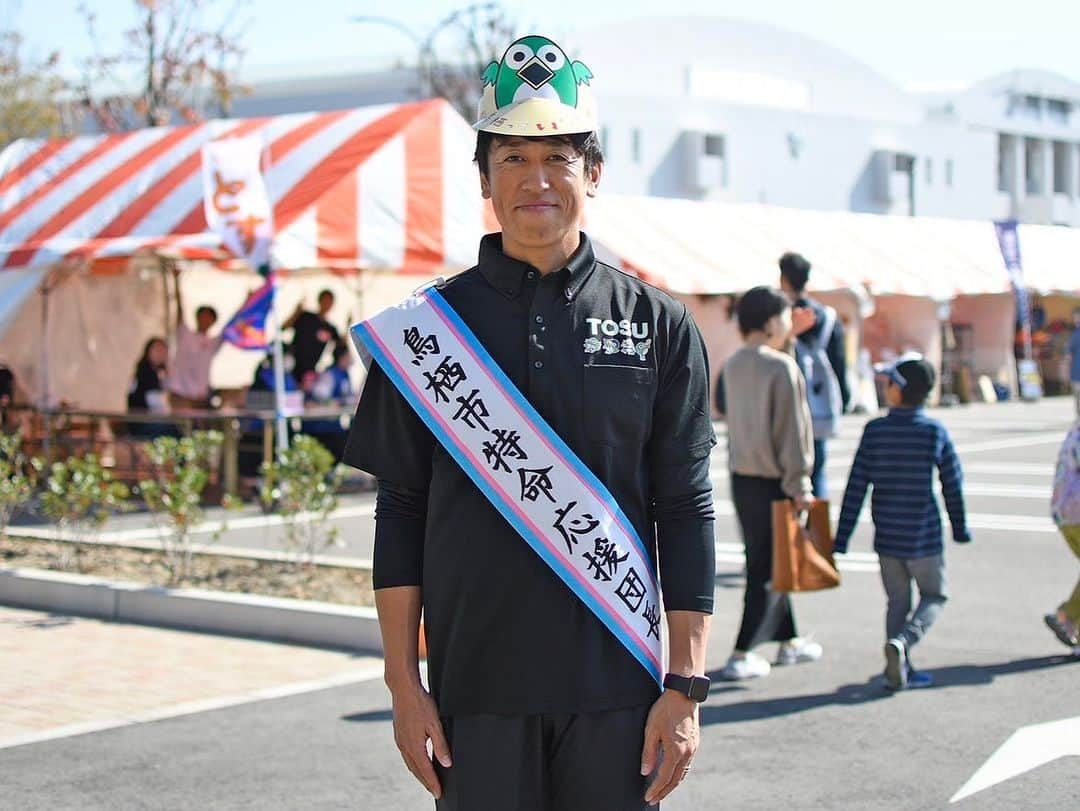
(537, 188)
(326, 303)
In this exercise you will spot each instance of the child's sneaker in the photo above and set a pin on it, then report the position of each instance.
(798, 651)
(751, 666)
(1064, 630)
(896, 670)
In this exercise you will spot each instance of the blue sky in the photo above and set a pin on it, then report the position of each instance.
(915, 43)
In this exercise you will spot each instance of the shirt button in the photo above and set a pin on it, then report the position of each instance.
(539, 364)
(539, 319)
(531, 274)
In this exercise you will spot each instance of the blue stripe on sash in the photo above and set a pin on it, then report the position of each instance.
(508, 509)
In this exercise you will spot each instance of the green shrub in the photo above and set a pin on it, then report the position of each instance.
(18, 477)
(79, 497)
(301, 486)
(180, 473)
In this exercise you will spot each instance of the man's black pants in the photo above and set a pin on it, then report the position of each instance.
(551, 762)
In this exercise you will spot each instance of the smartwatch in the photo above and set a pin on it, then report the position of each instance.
(696, 688)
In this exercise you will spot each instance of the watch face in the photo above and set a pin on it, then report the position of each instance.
(699, 688)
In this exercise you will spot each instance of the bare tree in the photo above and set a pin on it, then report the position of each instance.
(185, 69)
(452, 54)
(30, 92)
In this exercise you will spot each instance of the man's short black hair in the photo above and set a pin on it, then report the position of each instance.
(920, 377)
(585, 144)
(758, 305)
(206, 308)
(795, 269)
(325, 293)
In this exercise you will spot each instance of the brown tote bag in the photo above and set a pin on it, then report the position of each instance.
(802, 555)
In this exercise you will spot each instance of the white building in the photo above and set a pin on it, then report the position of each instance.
(719, 109)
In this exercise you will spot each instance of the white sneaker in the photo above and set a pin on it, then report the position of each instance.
(799, 651)
(750, 667)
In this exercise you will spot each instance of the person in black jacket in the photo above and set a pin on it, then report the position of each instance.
(810, 318)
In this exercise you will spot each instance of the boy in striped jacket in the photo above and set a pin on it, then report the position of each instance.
(897, 455)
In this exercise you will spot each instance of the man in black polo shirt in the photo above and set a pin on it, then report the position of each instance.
(533, 703)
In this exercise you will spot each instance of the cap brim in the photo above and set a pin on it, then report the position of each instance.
(536, 118)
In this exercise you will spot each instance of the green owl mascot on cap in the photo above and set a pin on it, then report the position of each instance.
(536, 90)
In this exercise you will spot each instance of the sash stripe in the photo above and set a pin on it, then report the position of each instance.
(478, 472)
(529, 414)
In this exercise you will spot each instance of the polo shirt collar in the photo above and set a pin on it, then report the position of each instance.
(508, 275)
(906, 412)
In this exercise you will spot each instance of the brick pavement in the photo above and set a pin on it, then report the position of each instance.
(62, 675)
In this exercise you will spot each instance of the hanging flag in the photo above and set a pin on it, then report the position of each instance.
(1029, 378)
(247, 329)
(235, 200)
(1009, 241)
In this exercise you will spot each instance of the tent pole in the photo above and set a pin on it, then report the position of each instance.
(279, 379)
(46, 289)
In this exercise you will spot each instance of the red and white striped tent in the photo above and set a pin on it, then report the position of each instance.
(388, 187)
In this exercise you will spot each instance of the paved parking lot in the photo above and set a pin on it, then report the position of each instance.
(813, 736)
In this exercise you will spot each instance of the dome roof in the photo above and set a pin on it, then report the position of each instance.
(665, 56)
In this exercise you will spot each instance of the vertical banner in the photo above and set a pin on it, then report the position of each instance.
(1009, 241)
(238, 209)
(235, 200)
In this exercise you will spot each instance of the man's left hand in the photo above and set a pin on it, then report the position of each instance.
(672, 735)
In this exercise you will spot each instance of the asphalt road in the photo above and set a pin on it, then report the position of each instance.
(823, 735)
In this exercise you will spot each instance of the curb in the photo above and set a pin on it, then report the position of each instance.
(302, 622)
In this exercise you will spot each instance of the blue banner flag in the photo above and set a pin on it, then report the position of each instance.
(247, 329)
(1009, 241)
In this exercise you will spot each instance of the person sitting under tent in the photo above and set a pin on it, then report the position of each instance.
(147, 390)
(332, 387)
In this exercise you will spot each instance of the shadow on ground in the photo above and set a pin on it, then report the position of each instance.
(369, 717)
(872, 690)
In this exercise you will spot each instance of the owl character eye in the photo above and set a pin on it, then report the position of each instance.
(552, 56)
(518, 55)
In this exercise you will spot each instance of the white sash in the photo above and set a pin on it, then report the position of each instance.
(523, 467)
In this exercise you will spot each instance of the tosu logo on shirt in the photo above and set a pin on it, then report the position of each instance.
(618, 337)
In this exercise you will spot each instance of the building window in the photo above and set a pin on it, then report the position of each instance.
(949, 172)
(929, 171)
(1034, 182)
(903, 163)
(1058, 110)
(604, 140)
(1061, 167)
(1032, 107)
(635, 145)
(714, 146)
(1004, 162)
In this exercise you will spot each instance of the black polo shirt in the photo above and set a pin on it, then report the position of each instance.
(618, 369)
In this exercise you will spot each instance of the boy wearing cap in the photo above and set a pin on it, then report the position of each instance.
(897, 455)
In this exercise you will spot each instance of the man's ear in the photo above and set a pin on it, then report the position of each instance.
(592, 182)
(485, 186)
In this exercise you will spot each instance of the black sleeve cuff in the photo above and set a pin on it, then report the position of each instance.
(400, 525)
(687, 549)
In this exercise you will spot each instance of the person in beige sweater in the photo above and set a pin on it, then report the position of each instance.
(770, 456)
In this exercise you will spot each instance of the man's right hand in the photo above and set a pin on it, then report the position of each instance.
(803, 502)
(416, 721)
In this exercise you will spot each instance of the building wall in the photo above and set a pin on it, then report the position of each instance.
(795, 159)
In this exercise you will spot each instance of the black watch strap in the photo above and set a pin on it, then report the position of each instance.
(696, 688)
